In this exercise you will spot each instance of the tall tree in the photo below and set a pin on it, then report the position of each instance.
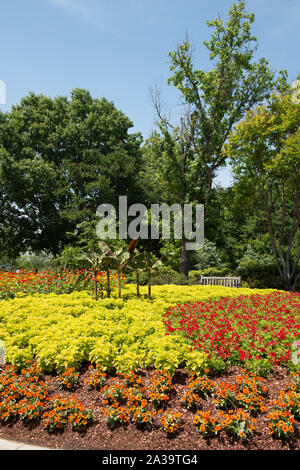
(215, 100)
(59, 159)
(265, 153)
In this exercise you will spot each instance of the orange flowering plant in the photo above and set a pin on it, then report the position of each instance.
(131, 378)
(206, 424)
(191, 400)
(238, 423)
(63, 410)
(170, 422)
(98, 378)
(225, 396)
(69, 379)
(288, 401)
(30, 410)
(159, 391)
(141, 416)
(115, 393)
(116, 416)
(202, 386)
(8, 410)
(281, 424)
(251, 393)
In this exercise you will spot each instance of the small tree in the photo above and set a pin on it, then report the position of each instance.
(150, 263)
(137, 263)
(117, 259)
(92, 251)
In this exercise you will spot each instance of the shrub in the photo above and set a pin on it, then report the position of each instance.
(258, 270)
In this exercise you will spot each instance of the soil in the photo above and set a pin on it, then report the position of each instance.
(99, 437)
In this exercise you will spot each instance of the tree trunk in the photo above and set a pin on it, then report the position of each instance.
(184, 262)
(149, 283)
(119, 283)
(108, 284)
(138, 282)
(95, 285)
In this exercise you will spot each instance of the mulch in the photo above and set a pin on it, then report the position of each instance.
(99, 437)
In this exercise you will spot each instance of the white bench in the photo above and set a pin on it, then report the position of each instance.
(220, 281)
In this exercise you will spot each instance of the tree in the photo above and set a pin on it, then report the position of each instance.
(265, 153)
(117, 257)
(60, 159)
(151, 263)
(187, 156)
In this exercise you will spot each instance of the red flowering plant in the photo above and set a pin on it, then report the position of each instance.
(244, 330)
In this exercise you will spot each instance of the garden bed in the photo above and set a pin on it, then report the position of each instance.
(129, 437)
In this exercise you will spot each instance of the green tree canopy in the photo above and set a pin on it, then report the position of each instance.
(59, 159)
(265, 153)
(182, 160)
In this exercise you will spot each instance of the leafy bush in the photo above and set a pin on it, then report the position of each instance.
(206, 257)
(35, 260)
(258, 270)
(165, 275)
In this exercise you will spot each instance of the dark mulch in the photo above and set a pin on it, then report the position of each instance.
(99, 436)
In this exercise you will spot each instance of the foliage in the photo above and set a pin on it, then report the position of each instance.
(60, 158)
(207, 257)
(264, 151)
(181, 160)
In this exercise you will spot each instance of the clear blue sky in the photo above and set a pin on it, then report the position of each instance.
(118, 48)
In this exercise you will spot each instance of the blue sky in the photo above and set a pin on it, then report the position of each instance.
(118, 48)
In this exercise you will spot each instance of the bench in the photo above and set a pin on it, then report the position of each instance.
(220, 281)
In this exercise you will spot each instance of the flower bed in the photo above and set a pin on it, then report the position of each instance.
(45, 282)
(119, 374)
(257, 330)
(67, 330)
(121, 414)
